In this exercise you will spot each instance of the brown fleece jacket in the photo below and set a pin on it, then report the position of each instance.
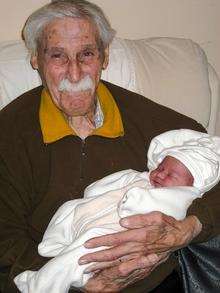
(36, 178)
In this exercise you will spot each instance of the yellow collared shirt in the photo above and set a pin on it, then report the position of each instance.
(54, 126)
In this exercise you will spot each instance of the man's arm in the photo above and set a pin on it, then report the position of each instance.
(206, 209)
(18, 249)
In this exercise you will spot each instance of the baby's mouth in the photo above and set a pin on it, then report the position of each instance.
(156, 182)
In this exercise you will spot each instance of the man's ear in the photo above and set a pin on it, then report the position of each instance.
(34, 62)
(106, 58)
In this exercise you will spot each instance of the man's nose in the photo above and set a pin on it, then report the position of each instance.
(74, 70)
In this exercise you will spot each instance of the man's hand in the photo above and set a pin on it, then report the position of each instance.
(116, 278)
(134, 253)
(147, 234)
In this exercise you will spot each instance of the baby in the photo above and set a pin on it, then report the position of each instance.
(183, 164)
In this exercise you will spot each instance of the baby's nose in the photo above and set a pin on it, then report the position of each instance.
(161, 175)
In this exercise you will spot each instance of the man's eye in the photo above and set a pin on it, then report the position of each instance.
(56, 55)
(88, 54)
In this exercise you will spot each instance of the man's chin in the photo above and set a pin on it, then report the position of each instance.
(74, 112)
(75, 109)
(77, 103)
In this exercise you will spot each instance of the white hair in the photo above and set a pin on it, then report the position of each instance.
(35, 24)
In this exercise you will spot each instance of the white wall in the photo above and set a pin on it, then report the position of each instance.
(195, 19)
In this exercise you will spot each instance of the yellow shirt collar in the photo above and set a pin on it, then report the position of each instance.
(54, 126)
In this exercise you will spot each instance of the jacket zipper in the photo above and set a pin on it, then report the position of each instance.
(82, 159)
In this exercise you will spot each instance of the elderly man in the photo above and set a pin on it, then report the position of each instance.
(58, 138)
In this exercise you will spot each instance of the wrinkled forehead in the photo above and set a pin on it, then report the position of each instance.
(69, 32)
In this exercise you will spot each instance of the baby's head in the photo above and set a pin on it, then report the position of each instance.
(197, 154)
(171, 172)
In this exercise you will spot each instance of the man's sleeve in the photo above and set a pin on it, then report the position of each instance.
(206, 209)
(18, 250)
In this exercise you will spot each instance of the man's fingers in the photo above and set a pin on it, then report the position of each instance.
(144, 262)
(113, 253)
(146, 228)
(142, 220)
(101, 265)
(107, 240)
(147, 235)
(108, 264)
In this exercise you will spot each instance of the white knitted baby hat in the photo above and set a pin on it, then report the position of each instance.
(199, 152)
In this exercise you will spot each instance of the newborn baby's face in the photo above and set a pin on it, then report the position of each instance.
(171, 172)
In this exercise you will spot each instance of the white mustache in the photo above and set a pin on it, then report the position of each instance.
(86, 83)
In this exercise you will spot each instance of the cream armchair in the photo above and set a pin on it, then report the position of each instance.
(171, 71)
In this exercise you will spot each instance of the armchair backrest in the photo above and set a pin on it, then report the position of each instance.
(171, 71)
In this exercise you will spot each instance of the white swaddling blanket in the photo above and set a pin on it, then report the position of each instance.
(118, 195)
